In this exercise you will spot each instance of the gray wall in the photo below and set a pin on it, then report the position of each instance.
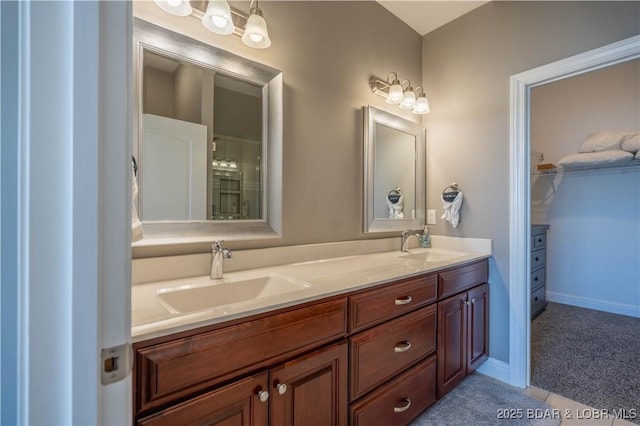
(466, 68)
(327, 51)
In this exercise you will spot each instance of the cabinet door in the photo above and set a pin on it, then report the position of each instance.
(452, 343)
(237, 404)
(478, 326)
(311, 390)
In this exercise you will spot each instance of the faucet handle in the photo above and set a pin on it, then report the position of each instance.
(217, 245)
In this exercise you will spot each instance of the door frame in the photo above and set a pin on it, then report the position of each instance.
(519, 188)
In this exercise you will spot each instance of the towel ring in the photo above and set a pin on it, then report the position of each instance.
(450, 192)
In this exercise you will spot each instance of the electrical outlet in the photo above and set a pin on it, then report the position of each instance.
(431, 217)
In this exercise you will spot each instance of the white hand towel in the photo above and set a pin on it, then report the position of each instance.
(452, 209)
(136, 225)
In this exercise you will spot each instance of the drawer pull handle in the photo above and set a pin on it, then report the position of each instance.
(403, 408)
(263, 395)
(404, 300)
(281, 388)
(402, 346)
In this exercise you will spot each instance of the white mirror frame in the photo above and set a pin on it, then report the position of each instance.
(156, 39)
(373, 116)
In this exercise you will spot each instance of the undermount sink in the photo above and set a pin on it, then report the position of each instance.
(432, 256)
(208, 296)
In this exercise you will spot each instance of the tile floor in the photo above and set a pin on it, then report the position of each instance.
(575, 413)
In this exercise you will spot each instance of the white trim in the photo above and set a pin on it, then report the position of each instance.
(597, 304)
(519, 191)
(495, 368)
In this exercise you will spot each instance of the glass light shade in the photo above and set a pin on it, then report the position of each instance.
(422, 105)
(409, 100)
(175, 7)
(255, 33)
(395, 95)
(218, 17)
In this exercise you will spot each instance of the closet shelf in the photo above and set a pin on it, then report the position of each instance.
(631, 165)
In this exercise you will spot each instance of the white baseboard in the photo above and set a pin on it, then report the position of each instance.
(496, 369)
(599, 305)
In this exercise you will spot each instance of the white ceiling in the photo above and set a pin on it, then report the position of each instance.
(425, 16)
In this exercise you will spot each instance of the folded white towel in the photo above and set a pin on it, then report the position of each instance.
(452, 210)
(136, 225)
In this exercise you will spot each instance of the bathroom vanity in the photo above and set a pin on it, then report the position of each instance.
(379, 354)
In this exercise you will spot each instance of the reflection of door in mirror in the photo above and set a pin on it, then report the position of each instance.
(176, 181)
(394, 163)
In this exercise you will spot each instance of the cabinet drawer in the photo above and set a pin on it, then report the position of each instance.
(377, 305)
(401, 400)
(538, 259)
(538, 241)
(180, 367)
(463, 278)
(379, 353)
(537, 278)
(237, 401)
(538, 298)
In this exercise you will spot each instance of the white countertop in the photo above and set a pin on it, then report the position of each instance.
(151, 316)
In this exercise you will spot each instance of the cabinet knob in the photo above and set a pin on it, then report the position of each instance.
(403, 300)
(263, 395)
(535, 298)
(281, 388)
(402, 408)
(537, 258)
(402, 346)
(535, 279)
(473, 300)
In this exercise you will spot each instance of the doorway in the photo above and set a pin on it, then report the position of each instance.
(520, 193)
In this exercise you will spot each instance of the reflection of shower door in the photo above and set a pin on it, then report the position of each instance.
(227, 194)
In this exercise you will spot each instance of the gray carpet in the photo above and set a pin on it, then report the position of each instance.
(588, 356)
(478, 401)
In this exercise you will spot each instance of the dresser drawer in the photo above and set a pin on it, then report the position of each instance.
(538, 241)
(462, 278)
(380, 352)
(538, 298)
(171, 370)
(401, 400)
(375, 306)
(537, 278)
(538, 259)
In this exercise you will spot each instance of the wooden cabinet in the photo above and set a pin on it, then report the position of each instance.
(243, 403)
(538, 268)
(463, 325)
(311, 390)
(376, 356)
(394, 333)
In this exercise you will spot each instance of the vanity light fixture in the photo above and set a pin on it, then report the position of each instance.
(408, 97)
(175, 7)
(220, 18)
(255, 33)
(401, 94)
(422, 104)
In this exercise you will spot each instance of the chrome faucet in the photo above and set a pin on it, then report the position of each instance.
(218, 253)
(404, 240)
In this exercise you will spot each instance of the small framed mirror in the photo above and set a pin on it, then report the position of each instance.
(394, 172)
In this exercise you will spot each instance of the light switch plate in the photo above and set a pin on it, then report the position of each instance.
(431, 217)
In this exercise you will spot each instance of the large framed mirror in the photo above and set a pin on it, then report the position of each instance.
(394, 172)
(209, 141)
